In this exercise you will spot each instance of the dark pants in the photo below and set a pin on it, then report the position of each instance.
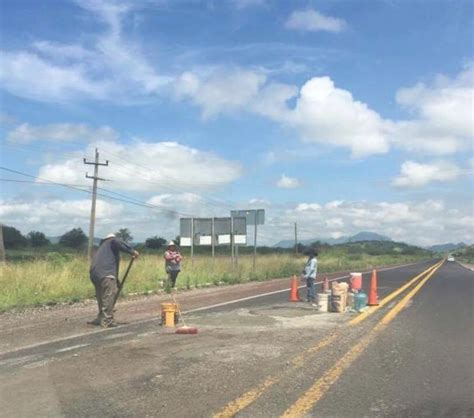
(105, 291)
(311, 289)
(172, 276)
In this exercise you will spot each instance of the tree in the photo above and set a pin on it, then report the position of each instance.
(13, 238)
(125, 235)
(75, 238)
(37, 239)
(155, 242)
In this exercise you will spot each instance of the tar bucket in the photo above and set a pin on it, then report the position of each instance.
(356, 281)
(323, 302)
(169, 314)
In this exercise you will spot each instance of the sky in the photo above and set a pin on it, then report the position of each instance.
(342, 115)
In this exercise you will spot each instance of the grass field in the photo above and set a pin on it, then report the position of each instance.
(60, 278)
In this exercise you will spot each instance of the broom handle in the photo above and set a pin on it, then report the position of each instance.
(179, 310)
(120, 284)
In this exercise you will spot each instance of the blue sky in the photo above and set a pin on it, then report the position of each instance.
(340, 115)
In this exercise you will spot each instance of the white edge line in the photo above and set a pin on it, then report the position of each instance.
(73, 347)
(190, 311)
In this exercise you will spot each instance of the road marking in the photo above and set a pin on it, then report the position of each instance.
(149, 320)
(72, 347)
(260, 295)
(359, 318)
(322, 385)
(253, 394)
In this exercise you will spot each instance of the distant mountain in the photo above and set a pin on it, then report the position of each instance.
(442, 248)
(361, 236)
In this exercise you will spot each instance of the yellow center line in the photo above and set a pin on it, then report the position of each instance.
(391, 296)
(321, 386)
(253, 394)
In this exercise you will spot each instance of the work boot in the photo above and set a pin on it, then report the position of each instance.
(96, 321)
(108, 323)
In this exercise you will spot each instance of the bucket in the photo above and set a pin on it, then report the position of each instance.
(360, 301)
(356, 281)
(169, 314)
(323, 302)
(338, 302)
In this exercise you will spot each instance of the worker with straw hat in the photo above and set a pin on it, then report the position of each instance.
(104, 275)
(172, 263)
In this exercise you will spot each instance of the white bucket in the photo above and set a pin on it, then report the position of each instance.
(323, 302)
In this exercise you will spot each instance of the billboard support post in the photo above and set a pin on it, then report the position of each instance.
(213, 244)
(232, 243)
(192, 242)
(255, 245)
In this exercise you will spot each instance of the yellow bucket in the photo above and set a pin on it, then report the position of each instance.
(169, 316)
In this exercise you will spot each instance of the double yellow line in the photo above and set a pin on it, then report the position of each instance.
(308, 400)
(321, 386)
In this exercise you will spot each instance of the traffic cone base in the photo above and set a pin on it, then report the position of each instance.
(373, 297)
(294, 294)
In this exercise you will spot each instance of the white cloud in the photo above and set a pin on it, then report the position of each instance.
(150, 166)
(444, 115)
(286, 182)
(221, 91)
(308, 207)
(113, 68)
(56, 216)
(312, 20)
(327, 114)
(413, 174)
(421, 222)
(60, 132)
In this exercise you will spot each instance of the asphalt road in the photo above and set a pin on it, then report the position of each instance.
(421, 364)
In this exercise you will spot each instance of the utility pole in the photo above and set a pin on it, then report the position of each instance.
(296, 238)
(96, 178)
(2, 246)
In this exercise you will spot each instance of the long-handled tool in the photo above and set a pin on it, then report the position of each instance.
(121, 283)
(184, 329)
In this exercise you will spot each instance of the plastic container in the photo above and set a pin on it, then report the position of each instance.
(360, 301)
(356, 281)
(169, 314)
(323, 302)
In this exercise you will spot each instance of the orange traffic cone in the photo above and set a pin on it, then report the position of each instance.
(326, 285)
(294, 295)
(373, 297)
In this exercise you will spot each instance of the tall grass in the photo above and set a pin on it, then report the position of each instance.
(66, 279)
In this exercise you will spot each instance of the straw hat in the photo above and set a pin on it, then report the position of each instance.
(110, 236)
(171, 244)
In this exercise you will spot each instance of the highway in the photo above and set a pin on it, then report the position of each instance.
(264, 357)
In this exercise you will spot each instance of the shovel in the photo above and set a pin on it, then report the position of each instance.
(121, 283)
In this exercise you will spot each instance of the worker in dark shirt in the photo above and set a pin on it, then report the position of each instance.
(104, 275)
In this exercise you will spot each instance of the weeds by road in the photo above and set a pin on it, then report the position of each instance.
(66, 279)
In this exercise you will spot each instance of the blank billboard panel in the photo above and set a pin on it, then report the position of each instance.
(251, 215)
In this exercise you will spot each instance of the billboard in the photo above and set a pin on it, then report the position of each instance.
(253, 216)
(198, 231)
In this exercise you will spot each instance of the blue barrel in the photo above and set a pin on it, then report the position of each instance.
(360, 301)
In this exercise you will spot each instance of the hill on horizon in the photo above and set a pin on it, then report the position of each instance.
(361, 236)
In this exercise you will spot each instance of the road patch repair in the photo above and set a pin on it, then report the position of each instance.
(232, 360)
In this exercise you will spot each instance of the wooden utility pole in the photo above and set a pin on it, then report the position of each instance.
(296, 238)
(96, 178)
(2, 246)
